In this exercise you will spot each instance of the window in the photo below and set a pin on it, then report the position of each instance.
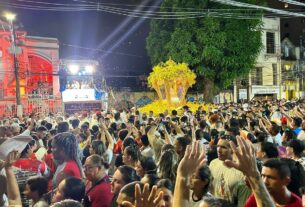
(257, 76)
(270, 42)
(286, 51)
(275, 74)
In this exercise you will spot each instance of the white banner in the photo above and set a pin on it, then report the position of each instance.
(75, 95)
(265, 89)
(243, 94)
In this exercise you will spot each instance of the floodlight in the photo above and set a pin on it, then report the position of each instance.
(89, 69)
(10, 16)
(73, 68)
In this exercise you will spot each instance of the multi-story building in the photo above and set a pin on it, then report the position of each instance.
(37, 61)
(263, 82)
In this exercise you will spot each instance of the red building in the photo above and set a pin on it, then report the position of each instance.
(38, 63)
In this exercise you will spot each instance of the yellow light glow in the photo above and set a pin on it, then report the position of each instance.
(10, 16)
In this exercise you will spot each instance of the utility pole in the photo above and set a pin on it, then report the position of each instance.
(10, 18)
(301, 63)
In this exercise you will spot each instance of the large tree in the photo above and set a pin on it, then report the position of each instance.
(218, 49)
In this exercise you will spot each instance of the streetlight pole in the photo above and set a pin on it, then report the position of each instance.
(10, 18)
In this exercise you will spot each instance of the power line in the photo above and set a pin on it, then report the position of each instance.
(293, 2)
(241, 4)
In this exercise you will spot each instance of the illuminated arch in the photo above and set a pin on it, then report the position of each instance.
(40, 78)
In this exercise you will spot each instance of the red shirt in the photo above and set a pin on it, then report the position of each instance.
(32, 166)
(71, 169)
(67, 169)
(295, 201)
(100, 195)
(117, 149)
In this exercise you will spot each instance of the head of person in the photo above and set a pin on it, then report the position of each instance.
(70, 188)
(130, 155)
(144, 140)
(200, 182)
(129, 141)
(276, 175)
(295, 148)
(166, 186)
(65, 147)
(145, 165)
(150, 179)
(296, 122)
(274, 129)
(267, 150)
(97, 147)
(224, 151)
(297, 176)
(168, 163)
(75, 123)
(288, 135)
(67, 203)
(95, 168)
(29, 149)
(167, 147)
(36, 187)
(181, 144)
(62, 127)
(127, 193)
(42, 132)
(122, 176)
(210, 201)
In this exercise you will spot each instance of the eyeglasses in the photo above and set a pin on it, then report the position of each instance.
(88, 168)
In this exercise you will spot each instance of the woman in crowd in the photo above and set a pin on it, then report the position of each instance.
(98, 147)
(199, 184)
(98, 188)
(146, 150)
(122, 176)
(145, 165)
(166, 187)
(295, 150)
(35, 188)
(167, 166)
(130, 156)
(150, 179)
(65, 152)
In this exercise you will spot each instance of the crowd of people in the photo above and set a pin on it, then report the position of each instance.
(235, 154)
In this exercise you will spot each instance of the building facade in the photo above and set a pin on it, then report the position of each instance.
(37, 64)
(264, 80)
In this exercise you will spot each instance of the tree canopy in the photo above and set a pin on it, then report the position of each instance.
(218, 49)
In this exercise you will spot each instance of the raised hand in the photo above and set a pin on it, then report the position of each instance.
(145, 198)
(245, 153)
(193, 158)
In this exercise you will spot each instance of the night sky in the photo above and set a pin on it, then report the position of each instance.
(80, 33)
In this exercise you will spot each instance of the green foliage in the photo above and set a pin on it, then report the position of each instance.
(218, 49)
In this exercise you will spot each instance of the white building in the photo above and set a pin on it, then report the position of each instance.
(264, 81)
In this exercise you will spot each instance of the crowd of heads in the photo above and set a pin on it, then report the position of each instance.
(124, 149)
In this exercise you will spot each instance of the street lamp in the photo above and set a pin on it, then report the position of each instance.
(10, 18)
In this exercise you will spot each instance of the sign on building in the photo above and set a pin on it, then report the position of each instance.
(243, 94)
(265, 89)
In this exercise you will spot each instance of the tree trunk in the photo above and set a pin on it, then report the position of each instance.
(209, 90)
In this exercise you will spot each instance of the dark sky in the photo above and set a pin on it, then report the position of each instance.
(81, 31)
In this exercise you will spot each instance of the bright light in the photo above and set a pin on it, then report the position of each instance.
(89, 69)
(73, 69)
(10, 16)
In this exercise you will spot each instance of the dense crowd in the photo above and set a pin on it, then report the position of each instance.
(234, 154)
